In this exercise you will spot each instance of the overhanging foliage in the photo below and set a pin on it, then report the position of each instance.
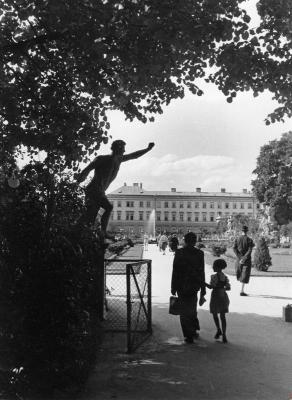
(65, 63)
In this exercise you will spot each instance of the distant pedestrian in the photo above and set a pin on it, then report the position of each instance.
(163, 241)
(145, 241)
(188, 279)
(173, 243)
(243, 248)
(219, 303)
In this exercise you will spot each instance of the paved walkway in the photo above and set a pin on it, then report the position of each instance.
(256, 364)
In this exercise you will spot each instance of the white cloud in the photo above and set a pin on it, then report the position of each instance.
(211, 172)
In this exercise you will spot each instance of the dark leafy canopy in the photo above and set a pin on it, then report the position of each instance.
(273, 184)
(64, 63)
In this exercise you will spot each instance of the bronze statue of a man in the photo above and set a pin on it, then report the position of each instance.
(106, 168)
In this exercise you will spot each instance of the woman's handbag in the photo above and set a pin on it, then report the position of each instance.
(175, 305)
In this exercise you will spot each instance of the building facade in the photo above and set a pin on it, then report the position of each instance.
(135, 208)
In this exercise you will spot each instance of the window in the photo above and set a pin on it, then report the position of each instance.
(141, 215)
(148, 204)
(166, 204)
(219, 214)
(119, 215)
(166, 216)
(212, 217)
(119, 203)
(181, 204)
(249, 205)
(189, 216)
(129, 215)
(226, 205)
(241, 205)
(173, 205)
(204, 217)
(197, 216)
(204, 205)
(181, 216)
(130, 204)
(173, 216)
(141, 204)
(189, 204)
(158, 204)
(158, 215)
(234, 206)
(219, 205)
(147, 215)
(197, 204)
(211, 205)
(258, 206)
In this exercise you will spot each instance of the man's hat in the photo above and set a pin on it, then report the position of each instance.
(244, 228)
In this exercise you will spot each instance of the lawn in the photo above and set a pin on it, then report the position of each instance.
(281, 262)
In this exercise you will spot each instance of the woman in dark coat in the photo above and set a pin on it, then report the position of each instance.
(188, 278)
(243, 248)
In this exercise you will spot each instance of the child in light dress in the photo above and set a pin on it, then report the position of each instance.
(219, 303)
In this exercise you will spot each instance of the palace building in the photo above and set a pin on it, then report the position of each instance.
(175, 211)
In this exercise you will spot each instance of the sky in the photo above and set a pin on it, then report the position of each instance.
(199, 141)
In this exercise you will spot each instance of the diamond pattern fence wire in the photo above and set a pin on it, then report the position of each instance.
(128, 299)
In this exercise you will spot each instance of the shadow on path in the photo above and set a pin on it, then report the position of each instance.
(267, 296)
(255, 364)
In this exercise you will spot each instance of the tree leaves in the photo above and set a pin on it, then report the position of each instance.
(62, 61)
(273, 185)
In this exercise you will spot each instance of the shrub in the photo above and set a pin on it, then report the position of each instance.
(49, 283)
(117, 247)
(286, 245)
(218, 249)
(262, 259)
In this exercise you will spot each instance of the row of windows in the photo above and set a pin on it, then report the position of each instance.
(172, 216)
(188, 204)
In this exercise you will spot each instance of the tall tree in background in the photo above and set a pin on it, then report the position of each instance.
(273, 184)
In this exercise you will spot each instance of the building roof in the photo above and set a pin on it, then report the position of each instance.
(137, 190)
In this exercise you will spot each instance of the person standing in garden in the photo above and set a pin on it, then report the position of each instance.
(106, 168)
(243, 248)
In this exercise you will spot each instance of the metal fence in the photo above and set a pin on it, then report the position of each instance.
(128, 299)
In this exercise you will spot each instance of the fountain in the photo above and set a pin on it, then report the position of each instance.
(150, 228)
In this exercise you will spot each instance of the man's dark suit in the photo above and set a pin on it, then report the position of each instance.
(188, 277)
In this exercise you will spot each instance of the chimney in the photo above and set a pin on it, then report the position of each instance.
(173, 189)
(223, 190)
(141, 186)
(198, 190)
(244, 190)
(125, 184)
(136, 184)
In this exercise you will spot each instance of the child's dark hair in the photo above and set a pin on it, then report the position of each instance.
(219, 263)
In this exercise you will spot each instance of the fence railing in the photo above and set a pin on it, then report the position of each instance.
(128, 299)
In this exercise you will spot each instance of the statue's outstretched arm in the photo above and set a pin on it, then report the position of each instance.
(138, 153)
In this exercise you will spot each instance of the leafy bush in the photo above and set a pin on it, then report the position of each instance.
(286, 245)
(262, 259)
(49, 280)
(118, 247)
(218, 249)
